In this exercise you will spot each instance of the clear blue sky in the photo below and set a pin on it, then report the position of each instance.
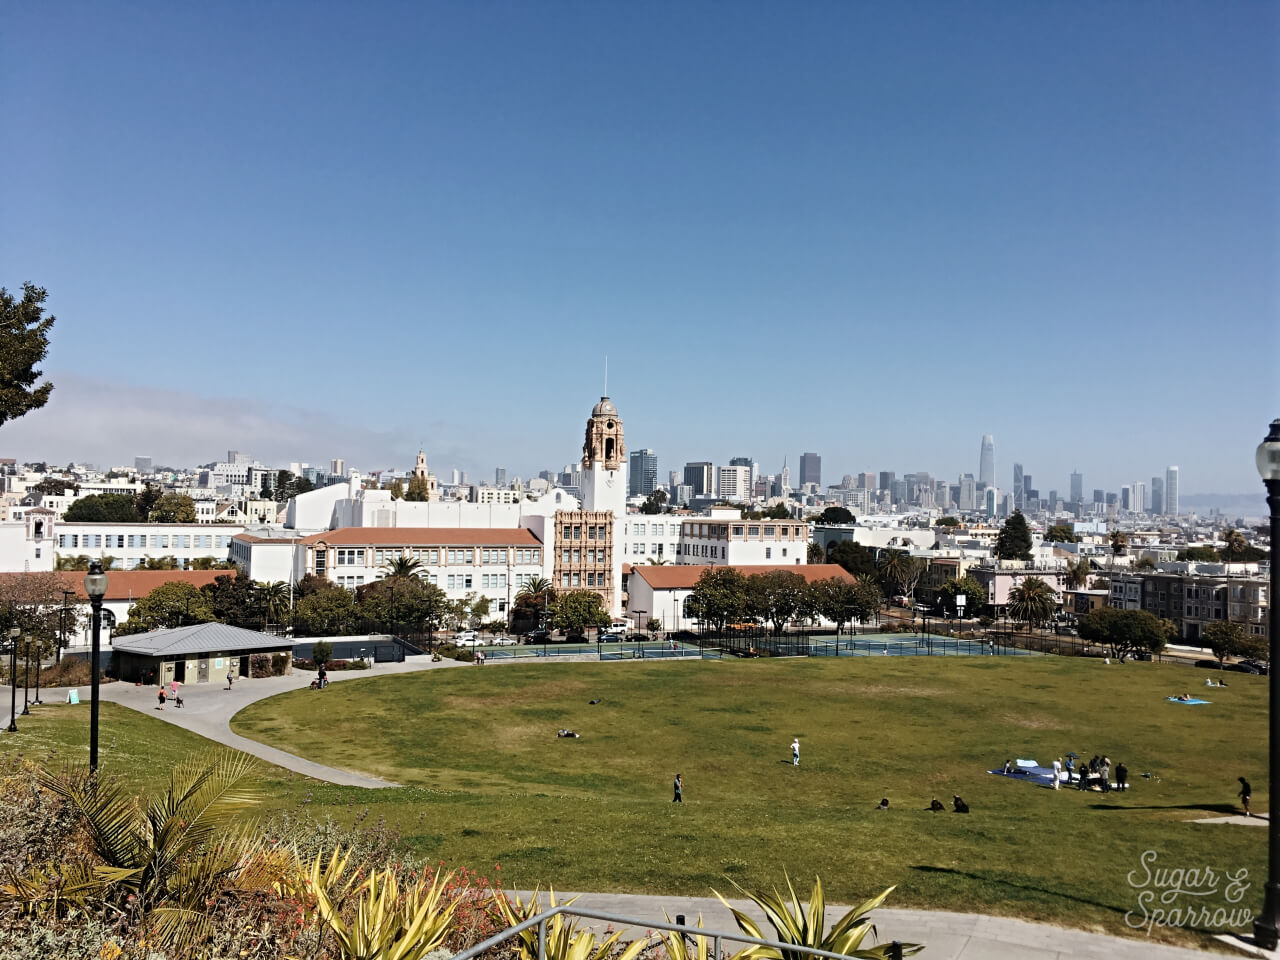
(876, 231)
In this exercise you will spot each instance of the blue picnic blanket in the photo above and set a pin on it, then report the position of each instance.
(1193, 700)
(1040, 776)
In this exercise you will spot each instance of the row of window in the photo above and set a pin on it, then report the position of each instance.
(590, 556)
(589, 579)
(355, 556)
(140, 541)
(593, 531)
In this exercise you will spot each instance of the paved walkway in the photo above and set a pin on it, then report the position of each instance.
(946, 936)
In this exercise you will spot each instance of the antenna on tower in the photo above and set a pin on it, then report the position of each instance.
(606, 374)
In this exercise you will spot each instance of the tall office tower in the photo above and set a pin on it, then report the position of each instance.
(968, 497)
(454, 477)
(547, 475)
(987, 461)
(1171, 492)
(1126, 497)
(673, 478)
(1018, 489)
(1077, 487)
(1139, 497)
(1053, 499)
(886, 480)
(991, 504)
(1157, 496)
(701, 477)
(734, 483)
(142, 465)
(810, 469)
(897, 491)
(644, 473)
(866, 481)
(337, 467)
(462, 478)
(499, 476)
(1099, 496)
(942, 494)
(1028, 488)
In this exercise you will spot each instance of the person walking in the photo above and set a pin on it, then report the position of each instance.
(678, 786)
(230, 678)
(1122, 777)
(161, 704)
(1104, 768)
(795, 752)
(1057, 774)
(1246, 792)
(324, 677)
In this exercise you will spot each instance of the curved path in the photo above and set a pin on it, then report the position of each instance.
(209, 707)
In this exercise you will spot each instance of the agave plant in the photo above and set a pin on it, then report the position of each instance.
(792, 924)
(386, 925)
(565, 939)
(163, 862)
(677, 944)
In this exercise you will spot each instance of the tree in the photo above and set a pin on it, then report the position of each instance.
(145, 501)
(405, 601)
(855, 558)
(975, 595)
(172, 604)
(1224, 639)
(532, 600)
(211, 563)
(1061, 533)
(577, 610)
(775, 596)
(1119, 543)
(272, 599)
(419, 490)
(103, 508)
(167, 562)
(33, 603)
(1125, 632)
(1199, 555)
(1032, 601)
(1233, 545)
(397, 490)
(24, 342)
(1014, 540)
(321, 652)
(1077, 573)
(899, 568)
(402, 567)
(1144, 563)
(654, 503)
(54, 487)
(816, 554)
(718, 598)
(836, 515)
(288, 486)
(173, 508)
(232, 600)
(947, 522)
(653, 625)
(778, 511)
(842, 600)
(324, 613)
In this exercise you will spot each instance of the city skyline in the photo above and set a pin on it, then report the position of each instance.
(401, 227)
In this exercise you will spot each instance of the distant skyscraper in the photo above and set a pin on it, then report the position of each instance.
(784, 480)
(1053, 499)
(1139, 497)
(866, 481)
(1171, 492)
(1077, 487)
(734, 483)
(673, 479)
(1028, 488)
(700, 476)
(143, 465)
(1018, 489)
(338, 467)
(810, 469)
(1157, 496)
(644, 473)
(968, 496)
(1099, 496)
(499, 476)
(886, 480)
(987, 461)
(454, 477)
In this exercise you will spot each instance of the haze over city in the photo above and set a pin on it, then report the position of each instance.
(874, 234)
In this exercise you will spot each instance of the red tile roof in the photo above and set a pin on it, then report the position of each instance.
(131, 584)
(425, 536)
(685, 576)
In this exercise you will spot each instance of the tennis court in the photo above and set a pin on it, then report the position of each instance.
(908, 645)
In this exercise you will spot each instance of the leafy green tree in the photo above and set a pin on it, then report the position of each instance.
(310, 583)
(103, 508)
(211, 563)
(1125, 632)
(1234, 545)
(947, 522)
(55, 487)
(145, 501)
(33, 603)
(854, 557)
(321, 652)
(1061, 533)
(718, 598)
(418, 490)
(288, 486)
(173, 508)
(172, 604)
(836, 515)
(1199, 555)
(901, 570)
(402, 567)
(775, 596)
(653, 625)
(325, 613)
(81, 562)
(532, 601)
(577, 610)
(232, 600)
(406, 601)
(1253, 648)
(1032, 601)
(843, 600)
(1014, 540)
(1224, 639)
(1144, 563)
(272, 599)
(397, 490)
(778, 511)
(975, 595)
(167, 562)
(1119, 543)
(656, 502)
(24, 334)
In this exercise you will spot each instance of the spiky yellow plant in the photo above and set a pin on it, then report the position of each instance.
(793, 924)
(565, 939)
(677, 944)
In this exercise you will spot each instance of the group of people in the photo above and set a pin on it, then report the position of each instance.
(322, 679)
(171, 695)
(935, 805)
(1098, 768)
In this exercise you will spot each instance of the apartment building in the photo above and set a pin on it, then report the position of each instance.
(724, 537)
(1196, 595)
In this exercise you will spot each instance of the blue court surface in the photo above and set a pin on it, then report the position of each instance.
(908, 645)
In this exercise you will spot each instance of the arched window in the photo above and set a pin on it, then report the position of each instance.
(608, 448)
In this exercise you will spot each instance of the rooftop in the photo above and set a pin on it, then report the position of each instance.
(420, 536)
(682, 576)
(199, 638)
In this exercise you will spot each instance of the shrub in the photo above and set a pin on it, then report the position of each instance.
(70, 672)
(260, 665)
(279, 662)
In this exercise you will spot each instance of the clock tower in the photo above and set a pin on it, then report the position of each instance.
(604, 462)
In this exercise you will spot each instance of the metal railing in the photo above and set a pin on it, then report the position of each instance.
(717, 936)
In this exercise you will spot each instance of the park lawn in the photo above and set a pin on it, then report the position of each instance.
(486, 780)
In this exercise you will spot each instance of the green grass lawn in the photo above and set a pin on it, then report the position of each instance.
(487, 781)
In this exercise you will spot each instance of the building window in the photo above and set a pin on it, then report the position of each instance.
(770, 531)
(564, 579)
(753, 531)
(576, 580)
(737, 531)
(467, 584)
(639, 529)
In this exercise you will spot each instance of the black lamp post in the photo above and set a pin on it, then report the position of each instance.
(95, 586)
(26, 676)
(62, 623)
(37, 701)
(14, 633)
(1266, 928)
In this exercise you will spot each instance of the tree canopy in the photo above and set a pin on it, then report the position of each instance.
(855, 558)
(1061, 533)
(1014, 540)
(1032, 601)
(654, 503)
(104, 508)
(24, 342)
(1199, 554)
(577, 610)
(419, 489)
(947, 522)
(172, 604)
(173, 508)
(975, 595)
(719, 596)
(1125, 631)
(776, 596)
(836, 515)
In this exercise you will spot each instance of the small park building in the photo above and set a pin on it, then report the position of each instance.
(202, 653)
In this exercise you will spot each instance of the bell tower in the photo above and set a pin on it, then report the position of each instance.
(604, 495)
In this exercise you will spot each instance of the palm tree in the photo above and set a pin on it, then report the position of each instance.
(272, 599)
(1119, 542)
(652, 561)
(403, 567)
(1032, 601)
(899, 567)
(1234, 545)
(1077, 574)
(533, 587)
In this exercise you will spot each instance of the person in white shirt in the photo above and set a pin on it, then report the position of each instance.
(795, 752)
(1057, 773)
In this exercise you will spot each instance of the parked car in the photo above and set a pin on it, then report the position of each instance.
(610, 638)
(537, 636)
(503, 642)
(1256, 667)
(619, 626)
(466, 638)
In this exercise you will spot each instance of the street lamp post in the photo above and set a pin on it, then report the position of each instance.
(1266, 928)
(62, 624)
(26, 676)
(95, 586)
(14, 633)
(37, 701)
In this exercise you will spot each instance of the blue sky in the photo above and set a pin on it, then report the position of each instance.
(876, 231)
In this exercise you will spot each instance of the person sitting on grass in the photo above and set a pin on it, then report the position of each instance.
(883, 804)
(959, 805)
(567, 733)
(1008, 767)
(936, 805)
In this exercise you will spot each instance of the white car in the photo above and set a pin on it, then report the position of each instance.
(467, 638)
(503, 642)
